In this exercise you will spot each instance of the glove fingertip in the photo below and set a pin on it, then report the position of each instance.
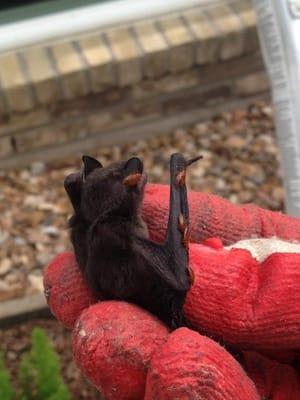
(65, 290)
(191, 366)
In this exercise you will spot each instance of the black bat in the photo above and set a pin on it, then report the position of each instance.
(111, 242)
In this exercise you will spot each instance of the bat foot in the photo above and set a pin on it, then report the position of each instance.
(186, 238)
(191, 275)
(180, 178)
(184, 229)
(181, 223)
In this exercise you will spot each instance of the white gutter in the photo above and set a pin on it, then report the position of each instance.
(84, 19)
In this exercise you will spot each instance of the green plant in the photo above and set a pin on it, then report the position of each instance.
(39, 373)
(6, 390)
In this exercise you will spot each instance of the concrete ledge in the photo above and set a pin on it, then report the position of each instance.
(23, 308)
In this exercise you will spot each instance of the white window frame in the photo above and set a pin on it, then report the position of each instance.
(85, 19)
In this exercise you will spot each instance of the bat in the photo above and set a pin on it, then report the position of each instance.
(110, 238)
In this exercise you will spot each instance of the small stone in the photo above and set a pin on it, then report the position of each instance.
(157, 171)
(234, 199)
(25, 175)
(5, 266)
(268, 111)
(36, 282)
(4, 286)
(259, 177)
(204, 142)
(198, 171)
(12, 277)
(50, 230)
(190, 147)
(249, 185)
(44, 259)
(116, 153)
(221, 125)
(220, 184)
(19, 241)
(37, 168)
(40, 247)
(206, 154)
(60, 248)
(179, 134)
(32, 200)
(238, 115)
(226, 116)
(245, 196)
(201, 129)
(3, 236)
(235, 142)
(278, 193)
(23, 259)
(46, 206)
(236, 185)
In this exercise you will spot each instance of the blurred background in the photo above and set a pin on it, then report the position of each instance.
(115, 79)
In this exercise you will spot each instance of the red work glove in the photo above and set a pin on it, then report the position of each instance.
(126, 352)
(211, 216)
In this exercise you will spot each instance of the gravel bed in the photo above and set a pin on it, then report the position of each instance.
(241, 163)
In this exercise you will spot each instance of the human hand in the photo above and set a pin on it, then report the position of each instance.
(212, 216)
(220, 288)
(124, 351)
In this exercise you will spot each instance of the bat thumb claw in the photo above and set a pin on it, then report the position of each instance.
(189, 162)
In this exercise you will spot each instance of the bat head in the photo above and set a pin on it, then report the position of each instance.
(113, 190)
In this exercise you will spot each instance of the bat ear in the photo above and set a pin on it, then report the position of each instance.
(89, 165)
(133, 170)
(73, 184)
(133, 166)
